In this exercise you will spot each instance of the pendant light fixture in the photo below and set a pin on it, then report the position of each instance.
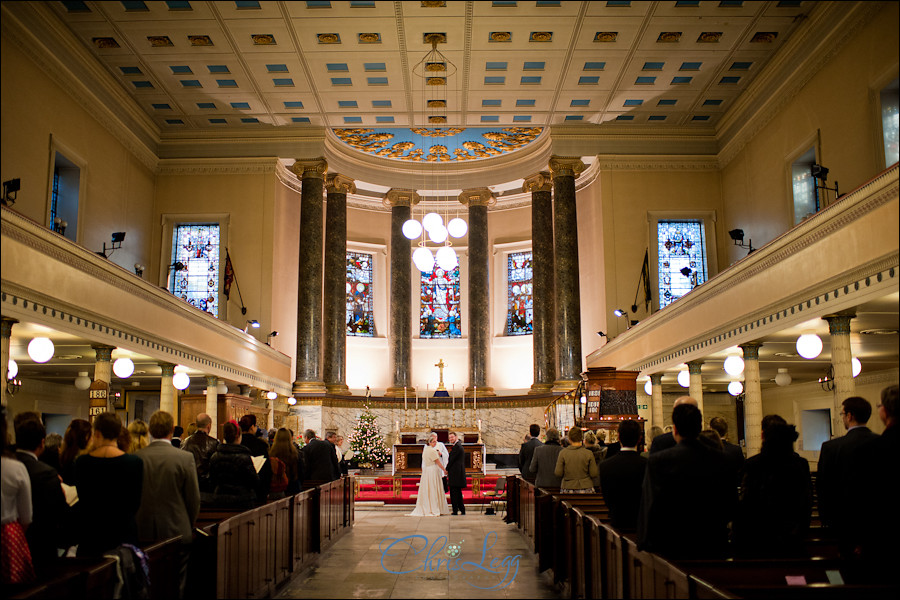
(684, 378)
(123, 367)
(809, 345)
(735, 388)
(40, 349)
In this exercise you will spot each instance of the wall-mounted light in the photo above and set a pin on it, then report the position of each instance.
(40, 349)
(117, 238)
(648, 388)
(251, 323)
(292, 401)
(271, 395)
(139, 269)
(737, 235)
(181, 380)
(857, 366)
(10, 188)
(619, 312)
(270, 336)
(221, 387)
(59, 226)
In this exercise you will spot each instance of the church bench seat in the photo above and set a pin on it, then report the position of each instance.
(162, 557)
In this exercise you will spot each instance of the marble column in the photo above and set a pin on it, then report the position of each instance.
(334, 329)
(478, 291)
(103, 370)
(401, 203)
(167, 389)
(568, 296)
(308, 378)
(6, 326)
(656, 401)
(842, 365)
(752, 398)
(212, 403)
(696, 387)
(544, 337)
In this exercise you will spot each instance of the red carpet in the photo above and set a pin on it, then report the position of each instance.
(383, 490)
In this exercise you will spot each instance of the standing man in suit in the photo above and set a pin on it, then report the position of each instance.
(667, 440)
(842, 466)
(257, 448)
(170, 500)
(320, 459)
(202, 446)
(48, 501)
(456, 473)
(621, 478)
(526, 452)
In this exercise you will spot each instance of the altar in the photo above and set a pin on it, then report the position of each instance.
(408, 459)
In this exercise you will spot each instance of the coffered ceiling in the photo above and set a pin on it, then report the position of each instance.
(243, 66)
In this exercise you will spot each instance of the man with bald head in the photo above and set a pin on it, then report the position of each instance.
(666, 440)
(202, 446)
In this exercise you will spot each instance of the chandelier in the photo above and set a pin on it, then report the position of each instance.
(435, 70)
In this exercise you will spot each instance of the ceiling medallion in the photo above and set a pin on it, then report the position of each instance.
(200, 40)
(606, 36)
(437, 119)
(436, 81)
(709, 37)
(263, 39)
(541, 36)
(462, 144)
(370, 38)
(501, 36)
(434, 38)
(159, 41)
(105, 42)
(434, 3)
(435, 67)
(667, 37)
(764, 37)
(328, 38)
(441, 132)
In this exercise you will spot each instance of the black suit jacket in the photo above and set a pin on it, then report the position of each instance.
(456, 466)
(321, 461)
(686, 502)
(49, 511)
(842, 465)
(526, 452)
(621, 478)
(662, 442)
(260, 448)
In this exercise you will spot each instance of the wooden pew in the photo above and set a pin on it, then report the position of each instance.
(563, 534)
(543, 527)
(283, 537)
(76, 579)
(164, 563)
(304, 530)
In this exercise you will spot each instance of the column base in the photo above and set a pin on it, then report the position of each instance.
(395, 392)
(541, 388)
(481, 391)
(338, 388)
(565, 385)
(308, 387)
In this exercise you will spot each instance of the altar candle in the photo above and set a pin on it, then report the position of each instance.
(479, 424)
(417, 402)
(475, 397)
(404, 397)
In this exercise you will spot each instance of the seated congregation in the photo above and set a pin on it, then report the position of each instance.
(692, 518)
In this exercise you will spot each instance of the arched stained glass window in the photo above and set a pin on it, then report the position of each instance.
(520, 301)
(360, 275)
(196, 246)
(682, 258)
(439, 313)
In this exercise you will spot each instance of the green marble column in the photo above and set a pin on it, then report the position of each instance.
(478, 291)
(334, 332)
(400, 326)
(544, 337)
(308, 378)
(568, 295)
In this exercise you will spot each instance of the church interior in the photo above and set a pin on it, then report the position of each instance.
(202, 213)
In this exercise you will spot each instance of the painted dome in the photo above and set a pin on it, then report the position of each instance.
(438, 144)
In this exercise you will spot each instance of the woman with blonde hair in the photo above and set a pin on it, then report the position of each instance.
(140, 436)
(599, 452)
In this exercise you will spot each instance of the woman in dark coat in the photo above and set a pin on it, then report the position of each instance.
(776, 496)
(231, 472)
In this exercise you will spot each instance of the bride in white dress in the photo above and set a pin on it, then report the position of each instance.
(431, 502)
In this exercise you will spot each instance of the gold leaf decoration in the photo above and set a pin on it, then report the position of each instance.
(159, 41)
(606, 36)
(105, 42)
(200, 40)
(263, 39)
(501, 36)
(328, 38)
(541, 36)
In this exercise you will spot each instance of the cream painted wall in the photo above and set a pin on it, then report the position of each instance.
(117, 188)
(838, 108)
(285, 266)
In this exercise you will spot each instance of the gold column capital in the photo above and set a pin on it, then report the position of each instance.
(566, 165)
(340, 184)
(477, 197)
(103, 352)
(539, 182)
(401, 197)
(310, 168)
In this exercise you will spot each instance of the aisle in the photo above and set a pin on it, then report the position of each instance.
(493, 560)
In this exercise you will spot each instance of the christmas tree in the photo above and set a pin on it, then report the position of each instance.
(366, 443)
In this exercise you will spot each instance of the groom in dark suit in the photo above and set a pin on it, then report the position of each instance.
(456, 473)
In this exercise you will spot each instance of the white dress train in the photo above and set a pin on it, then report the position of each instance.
(431, 502)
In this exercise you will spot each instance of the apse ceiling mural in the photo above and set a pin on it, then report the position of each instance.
(438, 144)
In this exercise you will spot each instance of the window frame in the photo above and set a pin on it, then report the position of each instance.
(811, 141)
(57, 146)
(875, 90)
(709, 219)
(169, 221)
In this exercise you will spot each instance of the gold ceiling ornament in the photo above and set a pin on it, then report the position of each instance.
(370, 38)
(105, 42)
(200, 40)
(500, 36)
(541, 36)
(434, 38)
(764, 37)
(709, 37)
(328, 38)
(435, 67)
(434, 3)
(668, 37)
(436, 104)
(159, 41)
(437, 119)
(606, 36)
(263, 39)
(436, 81)
(442, 132)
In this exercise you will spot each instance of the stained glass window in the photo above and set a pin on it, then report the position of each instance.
(360, 317)
(197, 247)
(803, 187)
(890, 123)
(439, 315)
(520, 304)
(681, 248)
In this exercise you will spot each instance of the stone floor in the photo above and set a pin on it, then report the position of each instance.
(390, 555)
